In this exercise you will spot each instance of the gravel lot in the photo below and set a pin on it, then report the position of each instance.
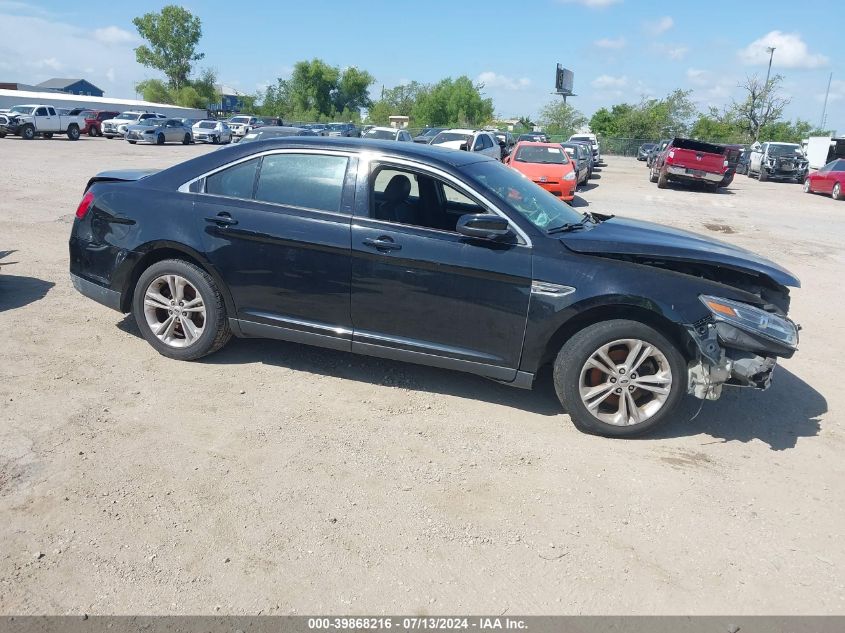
(278, 478)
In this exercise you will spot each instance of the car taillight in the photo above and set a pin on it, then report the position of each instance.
(84, 205)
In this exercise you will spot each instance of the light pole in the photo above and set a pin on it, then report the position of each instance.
(765, 93)
(771, 51)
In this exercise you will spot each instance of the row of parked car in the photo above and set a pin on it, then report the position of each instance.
(688, 160)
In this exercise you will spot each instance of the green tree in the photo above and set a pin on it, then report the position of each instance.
(173, 35)
(761, 106)
(452, 103)
(717, 126)
(352, 90)
(311, 86)
(559, 117)
(399, 100)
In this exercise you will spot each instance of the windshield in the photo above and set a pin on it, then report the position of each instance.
(582, 138)
(535, 204)
(21, 110)
(388, 135)
(784, 150)
(542, 155)
(337, 126)
(208, 125)
(129, 116)
(239, 119)
(445, 137)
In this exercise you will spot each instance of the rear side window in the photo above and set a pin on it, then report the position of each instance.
(237, 181)
(311, 181)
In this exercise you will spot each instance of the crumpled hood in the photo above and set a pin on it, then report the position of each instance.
(619, 236)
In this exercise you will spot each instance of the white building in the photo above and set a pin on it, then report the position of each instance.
(9, 98)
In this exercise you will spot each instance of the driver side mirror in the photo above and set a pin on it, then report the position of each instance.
(465, 147)
(483, 225)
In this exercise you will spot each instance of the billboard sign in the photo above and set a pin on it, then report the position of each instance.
(564, 81)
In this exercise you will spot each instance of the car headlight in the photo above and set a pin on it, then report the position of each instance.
(569, 176)
(753, 320)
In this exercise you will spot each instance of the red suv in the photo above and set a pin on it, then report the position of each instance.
(94, 121)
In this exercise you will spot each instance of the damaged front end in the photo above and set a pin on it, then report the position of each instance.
(738, 345)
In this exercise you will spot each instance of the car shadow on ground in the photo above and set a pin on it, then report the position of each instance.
(16, 292)
(577, 202)
(703, 188)
(788, 410)
(326, 362)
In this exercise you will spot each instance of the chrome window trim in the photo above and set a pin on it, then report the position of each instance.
(368, 158)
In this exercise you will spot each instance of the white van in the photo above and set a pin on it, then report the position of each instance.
(593, 141)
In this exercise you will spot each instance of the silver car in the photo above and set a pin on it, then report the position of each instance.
(209, 131)
(159, 131)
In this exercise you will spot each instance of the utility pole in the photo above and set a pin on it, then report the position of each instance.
(771, 51)
(824, 109)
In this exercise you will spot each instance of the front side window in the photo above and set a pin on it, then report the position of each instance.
(41, 112)
(311, 181)
(237, 181)
(406, 196)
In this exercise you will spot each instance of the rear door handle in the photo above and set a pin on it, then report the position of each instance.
(383, 243)
(222, 219)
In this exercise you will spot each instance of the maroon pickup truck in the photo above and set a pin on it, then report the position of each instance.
(686, 160)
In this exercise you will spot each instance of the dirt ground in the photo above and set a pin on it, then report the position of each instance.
(277, 478)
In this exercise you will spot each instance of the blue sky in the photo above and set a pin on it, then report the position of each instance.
(620, 50)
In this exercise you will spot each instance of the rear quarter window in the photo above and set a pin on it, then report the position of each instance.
(237, 181)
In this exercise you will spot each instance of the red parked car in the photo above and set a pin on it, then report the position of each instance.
(829, 179)
(548, 165)
(94, 122)
(688, 160)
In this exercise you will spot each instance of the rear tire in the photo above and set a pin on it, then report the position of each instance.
(836, 194)
(652, 176)
(574, 375)
(92, 132)
(214, 326)
(662, 181)
(73, 132)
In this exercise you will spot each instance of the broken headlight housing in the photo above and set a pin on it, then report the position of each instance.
(753, 320)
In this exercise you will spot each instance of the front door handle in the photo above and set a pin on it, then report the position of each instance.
(222, 219)
(383, 243)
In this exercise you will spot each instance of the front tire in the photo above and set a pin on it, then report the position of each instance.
(160, 139)
(180, 311)
(186, 140)
(763, 176)
(28, 132)
(807, 188)
(836, 194)
(652, 175)
(619, 378)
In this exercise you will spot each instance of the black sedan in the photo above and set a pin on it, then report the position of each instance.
(275, 131)
(428, 133)
(444, 258)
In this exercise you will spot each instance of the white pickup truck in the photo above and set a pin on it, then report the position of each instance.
(29, 121)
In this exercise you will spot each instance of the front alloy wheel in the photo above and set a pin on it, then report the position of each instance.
(619, 378)
(807, 185)
(837, 192)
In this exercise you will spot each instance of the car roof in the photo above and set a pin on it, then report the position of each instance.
(461, 130)
(382, 128)
(539, 144)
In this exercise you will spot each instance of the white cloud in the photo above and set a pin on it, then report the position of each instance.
(790, 52)
(502, 82)
(113, 35)
(607, 81)
(677, 52)
(698, 77)
(592, 4)
(607, 42)
(657, 27)
(65, 50)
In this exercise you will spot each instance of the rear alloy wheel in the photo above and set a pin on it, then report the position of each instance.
(837, 192)
(807, 186)
(73, 132)
(92, 131)
(662, 180)
(619, 378)
(180, 310)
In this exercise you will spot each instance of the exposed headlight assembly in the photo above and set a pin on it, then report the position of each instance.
(753, 320)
